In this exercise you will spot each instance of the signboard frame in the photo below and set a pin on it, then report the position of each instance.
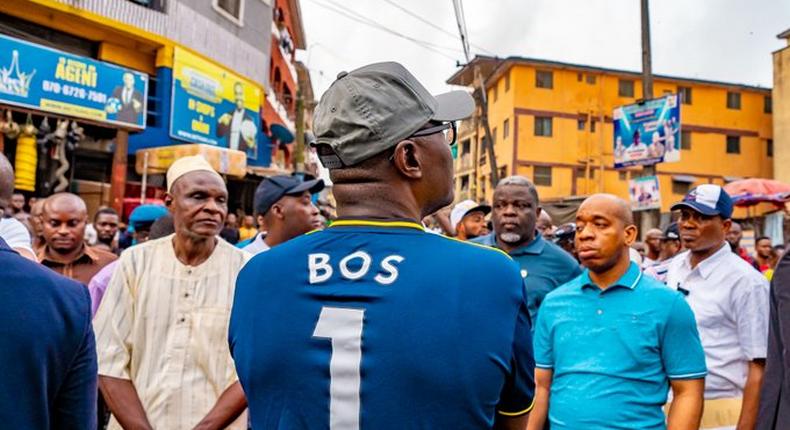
(647, 133)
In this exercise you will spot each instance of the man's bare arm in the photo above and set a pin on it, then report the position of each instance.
(687, 398)
(228, 407)
(540, 412)
(751, 395)
(124, 403)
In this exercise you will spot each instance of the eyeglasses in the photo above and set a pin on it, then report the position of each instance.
(447, 128)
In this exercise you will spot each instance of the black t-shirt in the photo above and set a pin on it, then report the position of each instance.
(230, 234)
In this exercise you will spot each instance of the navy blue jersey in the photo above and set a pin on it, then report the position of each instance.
(380, 325)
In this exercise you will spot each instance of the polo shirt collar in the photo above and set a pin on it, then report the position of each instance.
(629, 280)
(708, 265)
(87, 252)
(535, 247)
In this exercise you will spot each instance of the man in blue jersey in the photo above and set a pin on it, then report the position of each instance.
(610, 343)
(374, 323)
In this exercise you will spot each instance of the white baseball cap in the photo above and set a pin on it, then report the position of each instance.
(463, 208)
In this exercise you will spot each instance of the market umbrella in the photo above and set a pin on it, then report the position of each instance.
(749, 192)
(281, 133)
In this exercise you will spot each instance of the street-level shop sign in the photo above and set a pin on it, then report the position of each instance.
(647, 133)
(48, 80)
(214, 106)
(644, 193)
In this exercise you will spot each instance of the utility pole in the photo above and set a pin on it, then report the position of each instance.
(298, 156)
(489, 142)
(650, 218)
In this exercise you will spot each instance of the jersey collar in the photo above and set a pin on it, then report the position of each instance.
(358, 222)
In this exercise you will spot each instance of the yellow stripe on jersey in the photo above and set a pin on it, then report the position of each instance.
(366, 223)
(515, 414)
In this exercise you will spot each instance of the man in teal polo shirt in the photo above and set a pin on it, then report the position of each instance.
(544, 265)
(610, 343)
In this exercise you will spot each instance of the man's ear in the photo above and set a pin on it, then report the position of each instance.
(408, 159)
(630, 234)
(168, 200)
(277, 211)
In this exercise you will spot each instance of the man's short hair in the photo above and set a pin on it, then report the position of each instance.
(104, 211)
(520, 181)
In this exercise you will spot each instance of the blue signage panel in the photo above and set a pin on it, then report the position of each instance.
(36, 77)
(647, 133)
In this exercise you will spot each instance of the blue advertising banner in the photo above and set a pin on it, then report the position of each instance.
(214, 106)
(36, 77)
(647, 133)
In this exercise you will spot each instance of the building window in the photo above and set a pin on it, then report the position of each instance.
(622, 175)
(685, 140)
(582, 122)
(685, 95)
(506, 129)
(591, 79)
(581, 172)
(680, 187)
(625, 88)
(493, 136)
(579, 77)
(158, 5)
(502, 172)
(769, 147)
(733, 144)
(494, 92)
(733, 100)
(507, 82)
(544, 79)
(231, 9)
(592, 125)
(465, 183)
(466, 147)
(543, 126)
(768, 105)
(543, 176)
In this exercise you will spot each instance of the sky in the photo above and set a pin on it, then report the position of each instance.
(723, 40)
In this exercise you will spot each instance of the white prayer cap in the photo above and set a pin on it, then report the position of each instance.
(184, 165)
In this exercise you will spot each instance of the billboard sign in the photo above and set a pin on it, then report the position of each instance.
(48, 80)
(647, 133)
(214, 106)
(645, 193)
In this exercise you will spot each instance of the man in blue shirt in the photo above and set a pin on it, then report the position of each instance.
(610, 343)
(374, 323)
(544, 265)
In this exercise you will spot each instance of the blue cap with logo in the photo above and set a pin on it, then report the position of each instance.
(707, 199)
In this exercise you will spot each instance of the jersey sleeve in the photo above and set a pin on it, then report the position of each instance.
(519, 390)
(681, 350)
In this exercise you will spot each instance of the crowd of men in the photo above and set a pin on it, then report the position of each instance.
(181, 318)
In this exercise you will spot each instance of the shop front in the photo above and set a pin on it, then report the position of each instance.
(66, 119)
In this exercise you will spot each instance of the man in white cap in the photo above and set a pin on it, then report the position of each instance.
(469, 219)
(161, 329)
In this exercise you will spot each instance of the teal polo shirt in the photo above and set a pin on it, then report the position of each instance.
(614, 351)
(544, 267)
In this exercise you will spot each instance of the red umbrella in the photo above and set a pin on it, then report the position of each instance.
(749, 192)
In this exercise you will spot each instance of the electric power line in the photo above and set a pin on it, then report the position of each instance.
(420, 18)
(354, 16)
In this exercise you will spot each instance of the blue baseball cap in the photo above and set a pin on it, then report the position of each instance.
(272, 189)
(144, 215)
(707, 199)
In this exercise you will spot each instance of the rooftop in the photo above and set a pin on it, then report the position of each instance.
(497, 66)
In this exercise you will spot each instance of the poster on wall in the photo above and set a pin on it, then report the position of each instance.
(647, 133)
(645, 193)
(214, 106)
(45, 79)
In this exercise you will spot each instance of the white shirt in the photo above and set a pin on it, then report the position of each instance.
(257, 245)
(15, 234)
(730, 302)
(164, 326)
(235, 129)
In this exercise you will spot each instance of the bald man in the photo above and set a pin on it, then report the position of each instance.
(610, 343)
(64, 217)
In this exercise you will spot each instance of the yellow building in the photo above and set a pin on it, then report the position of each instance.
(552, 122)
(781, 95)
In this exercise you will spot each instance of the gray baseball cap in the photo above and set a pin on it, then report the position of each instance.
(371, 109)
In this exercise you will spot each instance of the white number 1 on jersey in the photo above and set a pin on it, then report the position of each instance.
(343, 326)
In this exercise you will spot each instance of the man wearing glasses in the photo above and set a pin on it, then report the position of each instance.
(374, 323)
(730, 302)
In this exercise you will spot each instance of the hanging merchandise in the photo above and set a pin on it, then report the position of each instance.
(9, 127)
(26, 157)
(59, 154)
